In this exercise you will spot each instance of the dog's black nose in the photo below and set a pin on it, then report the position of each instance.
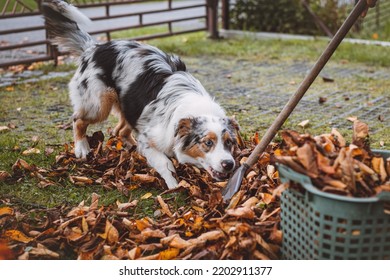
(227, 165)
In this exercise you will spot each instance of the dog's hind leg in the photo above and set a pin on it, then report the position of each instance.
(89, 113)
(81, 146)
(123, 130)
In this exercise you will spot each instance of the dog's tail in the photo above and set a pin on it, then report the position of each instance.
(62, 20)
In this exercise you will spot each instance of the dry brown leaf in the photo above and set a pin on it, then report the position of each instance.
(209, 236)
(265, 215)
(150, 233)
(260, 256)
(267, 198)
(41, 250)
(251, 175)
(110, 233)
(276, 235)
(235, 200)
(347, 168)
(306, 156)
(175, 241)
(4, 175)
(135, 253)
(241, 212)
(150, 257)
(31, 151)
(143, 178)
(81, 180)
(378, 164)
(84, 225)
(164, 206)
(126, 205)
(271, 250)
(338, 137)
(335, 183)
(74, 234)
(252, 201)
(364, 167)
(360, 133)
(4, 128)
(94, 201)
(271, 171)
(324, 164)
(304, 123)
(22, 164)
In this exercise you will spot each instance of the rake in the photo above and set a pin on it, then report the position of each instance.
(235, 181)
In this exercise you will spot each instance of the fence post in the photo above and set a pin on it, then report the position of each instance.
(225, 14)
(212, 18)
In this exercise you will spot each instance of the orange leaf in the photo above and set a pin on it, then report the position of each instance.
(256, 138)
(4, 211)
(267, 198)
(168, 254)
(18, 236)
(199, 209)
(119, 145)
(142, 224)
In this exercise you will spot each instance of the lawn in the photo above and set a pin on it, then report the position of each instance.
(40, 111)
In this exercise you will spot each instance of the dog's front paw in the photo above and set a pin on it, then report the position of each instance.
(82, 148)
(171, 183)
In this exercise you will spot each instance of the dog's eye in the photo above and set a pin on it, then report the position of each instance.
(209, 143)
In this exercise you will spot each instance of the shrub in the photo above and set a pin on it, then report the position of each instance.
(286, 16)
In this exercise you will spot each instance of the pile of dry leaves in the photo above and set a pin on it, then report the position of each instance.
(333, 165)
(206, 227)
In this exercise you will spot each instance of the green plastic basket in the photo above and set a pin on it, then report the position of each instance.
(319, 225)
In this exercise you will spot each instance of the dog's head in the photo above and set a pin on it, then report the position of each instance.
(207, 142)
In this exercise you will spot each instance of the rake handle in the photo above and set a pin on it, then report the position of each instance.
(306, 83)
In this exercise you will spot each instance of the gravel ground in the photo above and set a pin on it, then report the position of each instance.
(257, 91)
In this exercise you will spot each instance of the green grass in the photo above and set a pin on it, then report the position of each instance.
(198, 44)
(36, 109)
(140, 32)
(31, 4)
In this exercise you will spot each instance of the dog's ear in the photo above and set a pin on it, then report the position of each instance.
(233, 124)
(235, 128)
(184, 127)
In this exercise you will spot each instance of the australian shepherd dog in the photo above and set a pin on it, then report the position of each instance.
(155, 97)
